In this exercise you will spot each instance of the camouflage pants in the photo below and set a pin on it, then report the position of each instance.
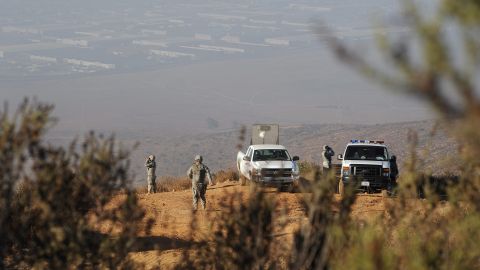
(199, 191)
(152, 187)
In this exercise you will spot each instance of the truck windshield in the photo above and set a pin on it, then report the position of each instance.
(270, 154)
(358, 152)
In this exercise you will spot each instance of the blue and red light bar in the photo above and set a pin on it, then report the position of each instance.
(366, 141)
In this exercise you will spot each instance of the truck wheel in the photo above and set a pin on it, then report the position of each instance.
(341, 188)
(284, 188)
(243, 180)
(391, 189)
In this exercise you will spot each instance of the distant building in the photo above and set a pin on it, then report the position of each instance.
(43, 59)
(231, 39)
(295, 24)
(176, 21)
(172, 54)
(279, 42)
(202, 37)
(73, 42)
(88, 63)
(222, 16)
(309, 8)
(270, 28)
(263, 21)
(153, 32)
(150, 43)
(21, 30)
(215, 48)
(89, 34)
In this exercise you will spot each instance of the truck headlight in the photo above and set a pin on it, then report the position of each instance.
(295, 175)
(256, 172)
(346, 170)
(386, 171)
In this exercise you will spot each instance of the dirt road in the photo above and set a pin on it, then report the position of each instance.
(172, 214)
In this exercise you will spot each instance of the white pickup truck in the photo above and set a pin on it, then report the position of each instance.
(268, 165)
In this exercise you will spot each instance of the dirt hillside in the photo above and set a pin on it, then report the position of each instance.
(172, 212)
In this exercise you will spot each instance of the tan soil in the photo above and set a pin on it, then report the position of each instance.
(172, 214)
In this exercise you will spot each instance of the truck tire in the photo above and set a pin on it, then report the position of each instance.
(341, 188)
(391, 189)
(243, 180)
(285, 188)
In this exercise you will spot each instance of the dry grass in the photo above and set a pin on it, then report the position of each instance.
(226, 175)
(169, 184)
(176, 183)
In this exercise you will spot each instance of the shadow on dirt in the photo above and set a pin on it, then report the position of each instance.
(144, 243)
(160, 243)
(436, 185)
(219, 187)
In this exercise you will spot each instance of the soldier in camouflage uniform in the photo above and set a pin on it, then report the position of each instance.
(151, 167)
(200, 176)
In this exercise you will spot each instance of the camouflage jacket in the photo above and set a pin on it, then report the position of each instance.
(151, 166)
(199, 174)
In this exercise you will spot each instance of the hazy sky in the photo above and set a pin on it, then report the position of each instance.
(276, 72)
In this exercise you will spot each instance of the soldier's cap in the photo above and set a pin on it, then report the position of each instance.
(152, 157)
(198, 157)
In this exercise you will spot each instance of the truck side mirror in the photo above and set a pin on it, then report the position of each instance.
(340, 157)
(295, 158)
(246, 158)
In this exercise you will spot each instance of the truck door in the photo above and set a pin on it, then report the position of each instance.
(245, 166)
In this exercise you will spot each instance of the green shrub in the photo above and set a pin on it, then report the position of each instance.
(53, 198)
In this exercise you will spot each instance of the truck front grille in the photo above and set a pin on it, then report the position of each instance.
(276, 173)
(367, 172)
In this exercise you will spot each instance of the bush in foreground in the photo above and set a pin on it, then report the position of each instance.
(53, 198)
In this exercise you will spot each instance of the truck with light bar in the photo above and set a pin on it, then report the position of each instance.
(366, 164)
(266, 162)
